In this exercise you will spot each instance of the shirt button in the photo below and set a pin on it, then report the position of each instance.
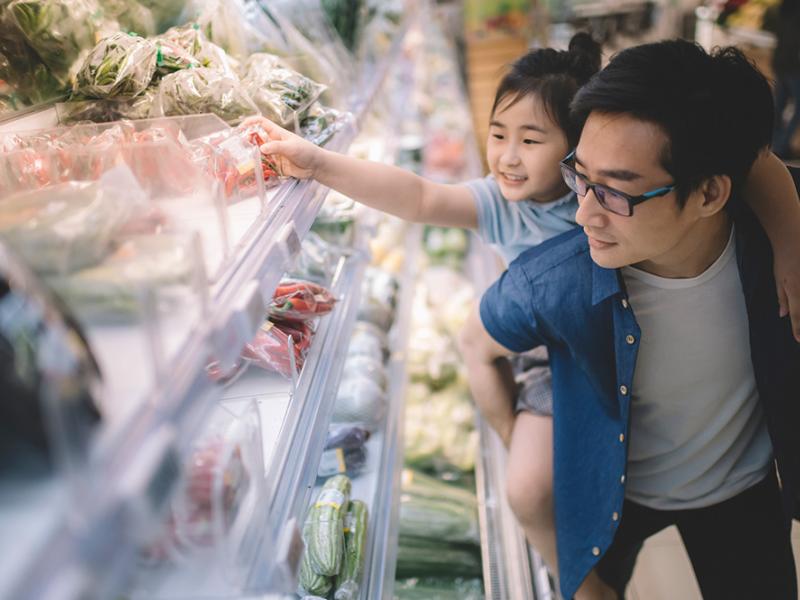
(630, 339)
(624, 303)
(615, 516)
(596, 551)
(621, 437)
(622, 479)
(623, 389)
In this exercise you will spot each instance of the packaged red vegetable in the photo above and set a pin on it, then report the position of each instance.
(298, 300)
(257, 135)
(270, 348)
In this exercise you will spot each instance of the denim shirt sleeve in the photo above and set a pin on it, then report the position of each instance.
(507, 314)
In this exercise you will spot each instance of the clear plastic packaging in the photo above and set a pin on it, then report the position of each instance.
(203, 90)
(121, 65)
(297, 300)
(69, 226)
(215, 515)
(58, 30)
(280, 93)
(369, 367)
(131, 15)
(335, 222)
(106, 111)
(316, 261)
(320, 123)
(360, 400)
(161, 265)
(206, 53)
(368, 340)
(269, 349)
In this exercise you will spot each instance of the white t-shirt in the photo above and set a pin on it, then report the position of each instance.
(697, 433)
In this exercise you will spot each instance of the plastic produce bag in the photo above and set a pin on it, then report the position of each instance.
(106, 111)
(269, 349)
(362, 401)
(368, 340)
(171, 57)
(207, 54)
(196, 91)
(335, 222)
(369, 367)
(320, 123)
(121, 65)
(162, 263)
(131, 16)
(67, 226)
(281, 93)
(297, 300)
(165, 12)
(316, 261)
(345, 451)
(58, 30)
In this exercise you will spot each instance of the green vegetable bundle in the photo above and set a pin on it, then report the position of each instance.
(203, 53)
(106, 111)
(320, 123)
(196, 91)
(279, 92)
(325, 543)
(58, 30)
(355, 540)
(111, 290)
(121, 65)
(429, 558)
(131, 16)
(438, 589)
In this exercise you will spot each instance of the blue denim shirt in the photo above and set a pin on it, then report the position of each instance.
(555, 295)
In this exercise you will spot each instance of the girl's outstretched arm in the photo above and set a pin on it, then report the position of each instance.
(383, 187)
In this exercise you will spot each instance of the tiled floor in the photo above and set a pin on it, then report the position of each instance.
(663, 571)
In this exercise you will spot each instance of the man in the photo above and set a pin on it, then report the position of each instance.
(676, 383)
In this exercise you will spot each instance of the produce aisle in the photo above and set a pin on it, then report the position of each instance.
(226, 383)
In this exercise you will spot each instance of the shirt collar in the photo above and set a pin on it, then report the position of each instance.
(605, 283)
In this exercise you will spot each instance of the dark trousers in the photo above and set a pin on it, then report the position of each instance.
(740, 548)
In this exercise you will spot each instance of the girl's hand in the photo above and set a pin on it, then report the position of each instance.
(293, 155)
(787, 278)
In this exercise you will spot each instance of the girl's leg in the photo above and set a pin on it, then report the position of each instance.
(529, 487)
(529, 482)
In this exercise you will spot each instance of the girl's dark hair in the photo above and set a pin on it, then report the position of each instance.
(555, 76)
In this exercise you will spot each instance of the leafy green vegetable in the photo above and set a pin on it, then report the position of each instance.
(196, 91)
(58, 30)
(121, 65)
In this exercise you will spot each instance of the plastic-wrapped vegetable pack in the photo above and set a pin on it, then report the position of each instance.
(68, 226)
(163, 264)
(360, 400)
(269, 349)
(195, 91)
(165, 12)
(194, 43)
(320, 123)
(297, 300)
(281, 93)
(131, 15)
(121, 65)
(58, 30)
(316, 261)
(345, 451)
(107, 110)
(335, 222)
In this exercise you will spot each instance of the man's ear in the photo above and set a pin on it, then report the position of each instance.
(715, 191)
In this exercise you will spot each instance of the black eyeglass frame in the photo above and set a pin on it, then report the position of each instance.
(632, 200)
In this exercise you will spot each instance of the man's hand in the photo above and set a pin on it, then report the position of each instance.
(293, 155)
(787, 278)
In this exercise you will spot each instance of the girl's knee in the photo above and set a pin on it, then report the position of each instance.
(531, 500)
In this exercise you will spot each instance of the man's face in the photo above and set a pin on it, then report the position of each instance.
(623, 152)
(524, 149)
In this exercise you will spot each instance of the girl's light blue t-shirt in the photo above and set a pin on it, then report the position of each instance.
(513, 227)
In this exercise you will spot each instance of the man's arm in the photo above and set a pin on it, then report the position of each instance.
(490, 377)
(770, 192)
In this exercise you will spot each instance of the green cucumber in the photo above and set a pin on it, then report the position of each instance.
(310, 582)
(355, 539)
(325, 543)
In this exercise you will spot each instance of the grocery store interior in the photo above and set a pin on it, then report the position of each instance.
(222, 382)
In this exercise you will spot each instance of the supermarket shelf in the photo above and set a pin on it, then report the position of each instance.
(292, 471)
(382, 491)
(133, 484)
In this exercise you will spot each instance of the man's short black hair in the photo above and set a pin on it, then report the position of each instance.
(716, 109)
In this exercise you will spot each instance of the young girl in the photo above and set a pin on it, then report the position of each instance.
(523, 202)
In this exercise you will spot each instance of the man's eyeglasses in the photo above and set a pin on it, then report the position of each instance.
(612, 200)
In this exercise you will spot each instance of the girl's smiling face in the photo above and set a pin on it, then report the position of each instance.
(524, 149)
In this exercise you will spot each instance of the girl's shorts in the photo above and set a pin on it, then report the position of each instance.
(534, 382)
